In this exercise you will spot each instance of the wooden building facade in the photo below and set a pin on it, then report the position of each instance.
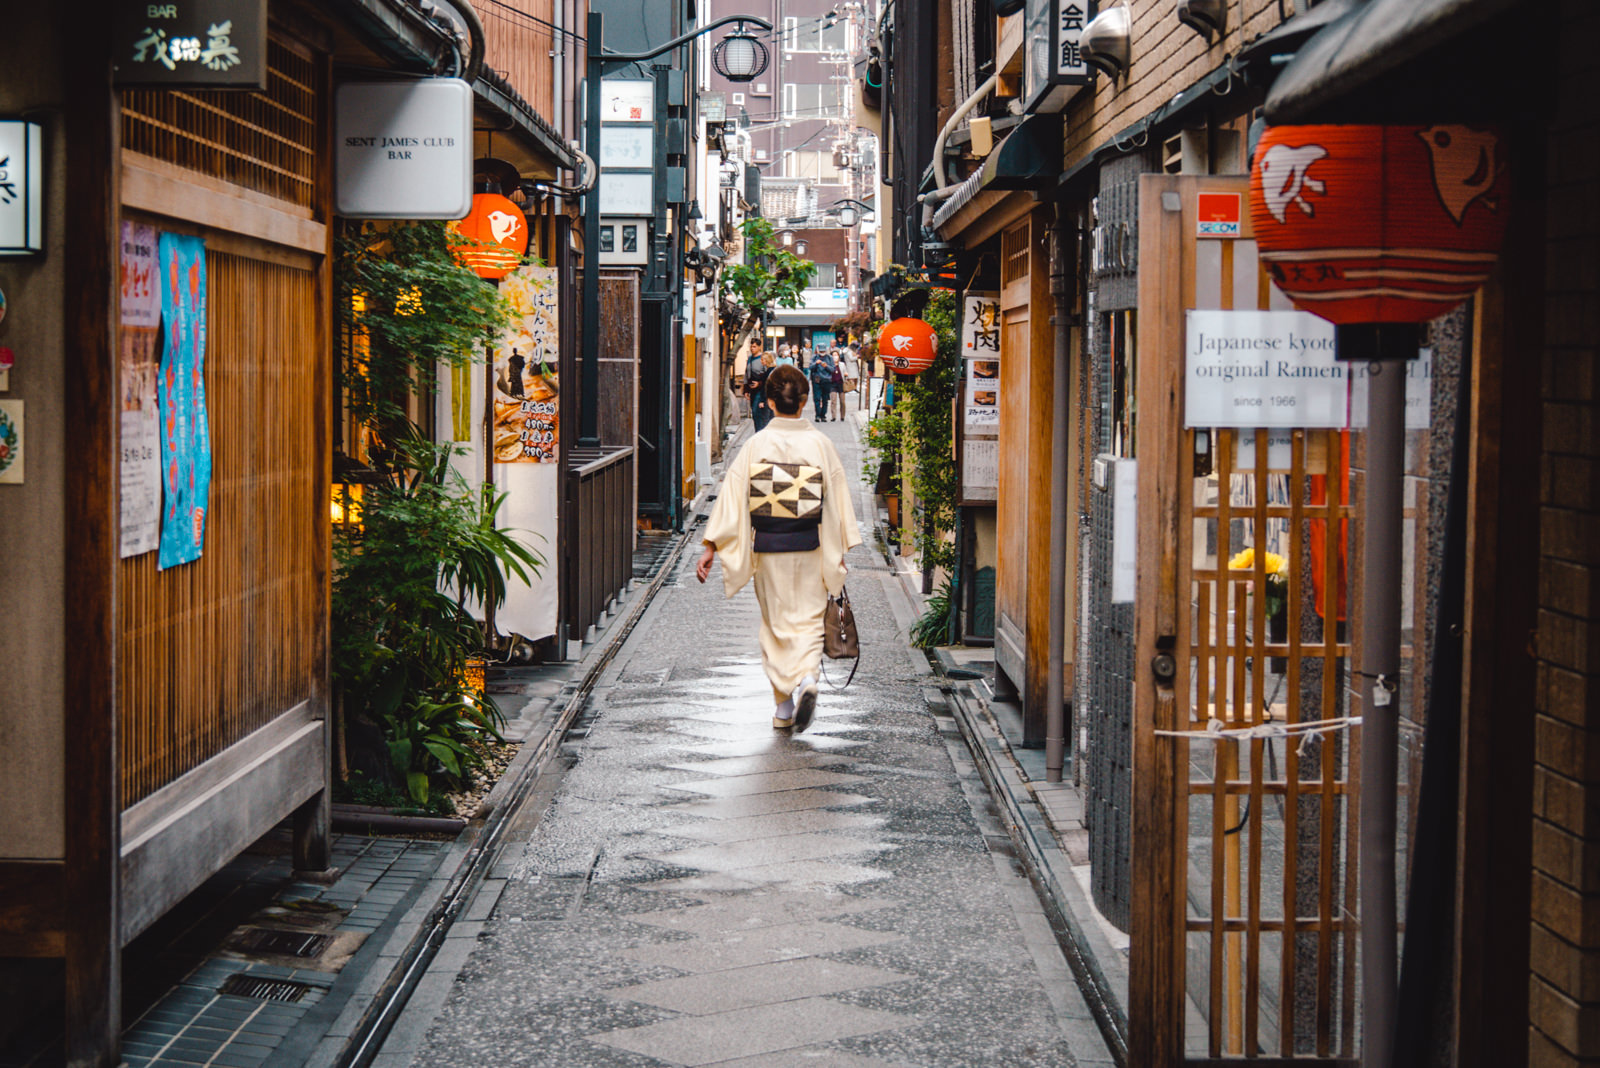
(161, 719)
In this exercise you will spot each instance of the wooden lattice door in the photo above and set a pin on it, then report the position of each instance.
(1243, 876)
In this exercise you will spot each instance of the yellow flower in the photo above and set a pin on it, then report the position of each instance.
(1245, 560)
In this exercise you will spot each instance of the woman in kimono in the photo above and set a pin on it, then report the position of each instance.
(784, 518)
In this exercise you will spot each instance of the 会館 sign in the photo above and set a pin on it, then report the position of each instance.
(403, 150)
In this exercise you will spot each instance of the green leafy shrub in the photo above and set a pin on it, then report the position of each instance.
(933, 626)
(918, 432)
(426, 547)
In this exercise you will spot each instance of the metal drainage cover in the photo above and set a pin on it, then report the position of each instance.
(281, 943)
(250, 986)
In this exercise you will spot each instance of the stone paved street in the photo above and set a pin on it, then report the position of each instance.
(703, 890)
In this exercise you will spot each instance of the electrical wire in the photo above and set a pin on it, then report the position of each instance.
(535, 19)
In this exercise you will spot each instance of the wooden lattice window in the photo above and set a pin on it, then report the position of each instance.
(261, 141)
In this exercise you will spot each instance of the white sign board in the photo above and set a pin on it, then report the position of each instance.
(980, 326)
(627, 146)
(627, 193)
(1262, 369)
(627, 100)
(1419, 392)
(403, 150)
(1124, 530)
(980, 468)
(21, 187)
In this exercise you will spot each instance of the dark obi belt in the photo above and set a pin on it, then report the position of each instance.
(775, 535)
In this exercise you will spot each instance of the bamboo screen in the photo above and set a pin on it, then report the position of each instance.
(1255, 950)
(214, 649)
(261, 141)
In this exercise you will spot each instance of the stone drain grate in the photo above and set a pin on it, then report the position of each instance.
(243, 985)
(282, 943)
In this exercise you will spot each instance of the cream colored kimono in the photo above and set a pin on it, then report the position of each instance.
(792, 588)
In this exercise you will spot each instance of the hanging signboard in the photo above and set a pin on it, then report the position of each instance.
(527, 388)
(627, 100)
(403, 150)
(195, 44)
(181, 387)
(139, 324)
(21, 188)
(1053, 67)
(980, 345)
(1262, 369)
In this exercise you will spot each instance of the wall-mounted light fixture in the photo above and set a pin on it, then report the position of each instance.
(1108, 41)
(21, 188)
(1204, 17)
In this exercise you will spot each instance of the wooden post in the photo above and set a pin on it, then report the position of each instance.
(89, 128)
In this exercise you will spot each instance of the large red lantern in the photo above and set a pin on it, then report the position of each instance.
(908, 345)
(498, 236)
(1378, 224)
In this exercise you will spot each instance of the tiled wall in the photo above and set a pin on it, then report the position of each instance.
(1565, 985)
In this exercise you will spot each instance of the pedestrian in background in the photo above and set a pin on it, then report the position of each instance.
(806, 358)
(845, 379)
(756, 370)
(822, 368)
(769, 524)
(786, 355)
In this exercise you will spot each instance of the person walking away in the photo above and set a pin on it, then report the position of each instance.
(756, 370)
(822, 369)
(783, 517)
(844, 380)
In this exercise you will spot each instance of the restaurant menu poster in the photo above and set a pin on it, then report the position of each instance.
(139, 327)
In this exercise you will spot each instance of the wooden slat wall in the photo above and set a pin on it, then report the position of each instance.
(520, 48)
(215, 649)
(262, 141)
(212, 650)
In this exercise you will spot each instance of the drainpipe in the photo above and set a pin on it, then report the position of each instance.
(1055, 726)
(942, 189)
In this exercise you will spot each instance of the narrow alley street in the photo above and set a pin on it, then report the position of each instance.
(703, 890)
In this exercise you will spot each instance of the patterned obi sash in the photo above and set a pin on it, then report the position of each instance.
(785, 507)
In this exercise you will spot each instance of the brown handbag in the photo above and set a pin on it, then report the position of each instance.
(839, 638)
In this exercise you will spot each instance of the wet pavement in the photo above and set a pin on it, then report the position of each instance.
(699, 889)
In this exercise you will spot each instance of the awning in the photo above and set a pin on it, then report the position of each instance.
(1029, 158)
(495, 94)
(1372, 44)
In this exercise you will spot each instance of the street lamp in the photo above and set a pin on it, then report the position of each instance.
(739, 57)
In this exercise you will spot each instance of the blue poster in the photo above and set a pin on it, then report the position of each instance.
(185, 430)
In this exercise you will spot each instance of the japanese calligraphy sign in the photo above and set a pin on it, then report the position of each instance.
(527, 387)
(1071, 16)
(980, 346)
(206, 44)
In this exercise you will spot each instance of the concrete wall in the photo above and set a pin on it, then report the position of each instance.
(32, 515)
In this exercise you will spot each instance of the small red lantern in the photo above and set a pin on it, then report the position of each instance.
(909, 346)
(1379, 224)
(498, 236)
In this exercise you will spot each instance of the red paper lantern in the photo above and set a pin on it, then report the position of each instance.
(498, 233)
(1379, 224)
(909, 346)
